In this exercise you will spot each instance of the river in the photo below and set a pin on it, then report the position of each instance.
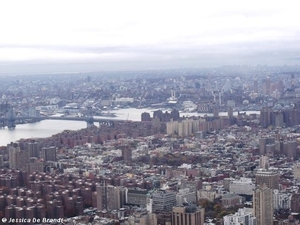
(47, 128)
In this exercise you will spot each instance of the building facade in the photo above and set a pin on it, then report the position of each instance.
(263, 205)
(297, 171)
(242, 216)
(270, 178)
(188, 215)
(244, 186)
(49, 154)
(110, 197)
(163, 201)
(135, 196)
(185, 196)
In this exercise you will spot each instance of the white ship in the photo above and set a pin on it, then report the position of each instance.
(172, 100)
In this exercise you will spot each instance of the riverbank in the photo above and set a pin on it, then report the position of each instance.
(47, 128)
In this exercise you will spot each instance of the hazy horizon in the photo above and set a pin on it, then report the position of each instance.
(76, 36)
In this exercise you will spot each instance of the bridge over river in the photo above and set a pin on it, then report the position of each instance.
(11, 121)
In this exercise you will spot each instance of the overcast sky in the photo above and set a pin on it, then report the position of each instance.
(69, 36)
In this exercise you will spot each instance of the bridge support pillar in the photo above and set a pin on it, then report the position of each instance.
(89, 124)
(89, 117)
(11, 121)
(2, 124)
(11, 124)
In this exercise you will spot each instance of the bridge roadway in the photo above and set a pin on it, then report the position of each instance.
(89, 120)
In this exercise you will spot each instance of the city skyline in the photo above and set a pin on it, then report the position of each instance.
(168, 147)
(75, 36)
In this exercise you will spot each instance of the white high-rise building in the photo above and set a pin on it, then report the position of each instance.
(242, 216)
(184, 128)
(281, 200)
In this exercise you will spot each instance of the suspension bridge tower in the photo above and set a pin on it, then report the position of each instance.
(89, 117)
(11, 120)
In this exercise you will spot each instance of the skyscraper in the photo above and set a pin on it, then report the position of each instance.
(263, 205)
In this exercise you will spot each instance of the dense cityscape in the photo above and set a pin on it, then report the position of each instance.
(212, 146)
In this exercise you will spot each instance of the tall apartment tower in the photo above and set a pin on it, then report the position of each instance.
(279, 119)
(33, 149)
(49, 154)
(175, 115)
(265, 117)
(110, 197)
(290, 148)
(18, 159)
(263, 142)
(126, 153)
(263, 205)
(145, 116)
(188, 215)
